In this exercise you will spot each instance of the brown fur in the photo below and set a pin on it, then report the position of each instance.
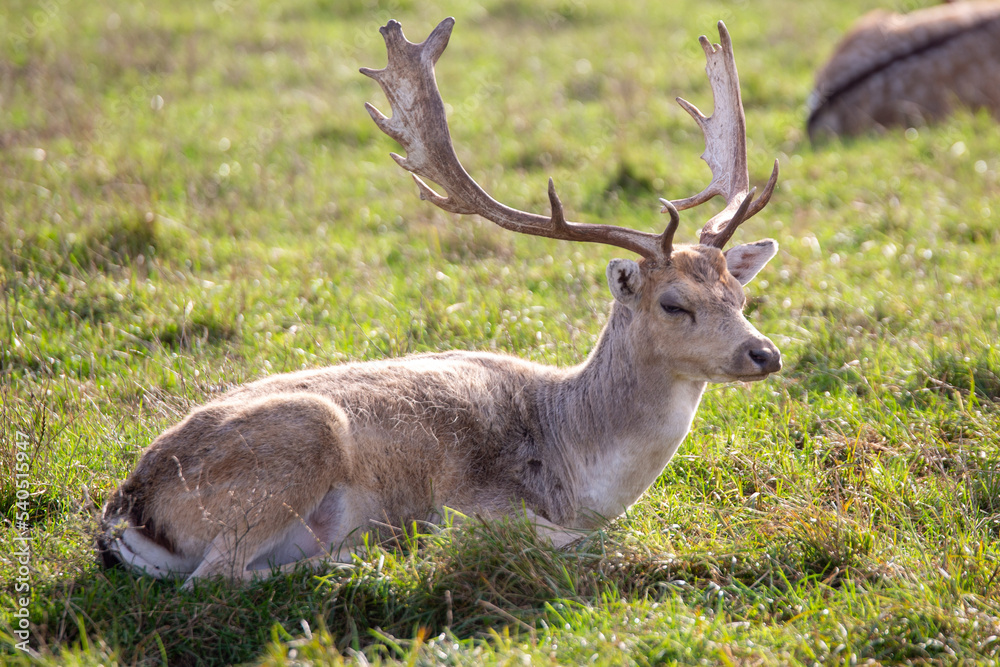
(303, 464)
(894, 69)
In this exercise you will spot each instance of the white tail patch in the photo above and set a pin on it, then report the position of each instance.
(141, 554)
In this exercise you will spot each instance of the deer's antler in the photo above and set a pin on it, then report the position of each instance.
(725, 147)
(419, 124)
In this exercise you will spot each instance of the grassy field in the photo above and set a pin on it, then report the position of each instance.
(192, 196)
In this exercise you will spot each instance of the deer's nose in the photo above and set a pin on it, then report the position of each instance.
(766, 357)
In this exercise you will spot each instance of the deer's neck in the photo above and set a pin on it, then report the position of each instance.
(617, 421)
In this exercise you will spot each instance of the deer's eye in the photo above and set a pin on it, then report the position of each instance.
(671, 307)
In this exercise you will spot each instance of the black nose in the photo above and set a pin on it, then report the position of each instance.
(768, 359)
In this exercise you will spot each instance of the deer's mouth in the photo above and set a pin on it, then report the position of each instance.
(745, 377)
(757, 377)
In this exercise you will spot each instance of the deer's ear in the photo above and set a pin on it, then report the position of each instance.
(745, 261)
(625, 281)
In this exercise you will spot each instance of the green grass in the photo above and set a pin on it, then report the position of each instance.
(192, 196)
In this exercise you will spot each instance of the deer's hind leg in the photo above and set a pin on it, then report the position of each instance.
(287, 493)
(238, 482)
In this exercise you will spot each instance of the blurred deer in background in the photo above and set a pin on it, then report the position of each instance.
(304, 465)
(905, 70)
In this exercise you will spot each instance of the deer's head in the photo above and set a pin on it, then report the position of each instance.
(688, 312)
(687, 301)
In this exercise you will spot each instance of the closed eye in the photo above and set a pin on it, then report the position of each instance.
(671, 307)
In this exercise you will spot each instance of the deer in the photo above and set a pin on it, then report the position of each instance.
(909, 69)
(308, 466)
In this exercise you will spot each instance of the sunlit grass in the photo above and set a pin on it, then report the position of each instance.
(192, 196)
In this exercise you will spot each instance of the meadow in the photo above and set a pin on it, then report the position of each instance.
(192, 196)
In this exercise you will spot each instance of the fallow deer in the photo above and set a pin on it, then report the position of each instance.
(909, 69)
(304, 465)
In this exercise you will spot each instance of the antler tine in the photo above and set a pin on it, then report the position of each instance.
(725, 146)
(420, 125)
(667, 238)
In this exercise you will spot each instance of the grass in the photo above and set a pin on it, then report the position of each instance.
(192, 196)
